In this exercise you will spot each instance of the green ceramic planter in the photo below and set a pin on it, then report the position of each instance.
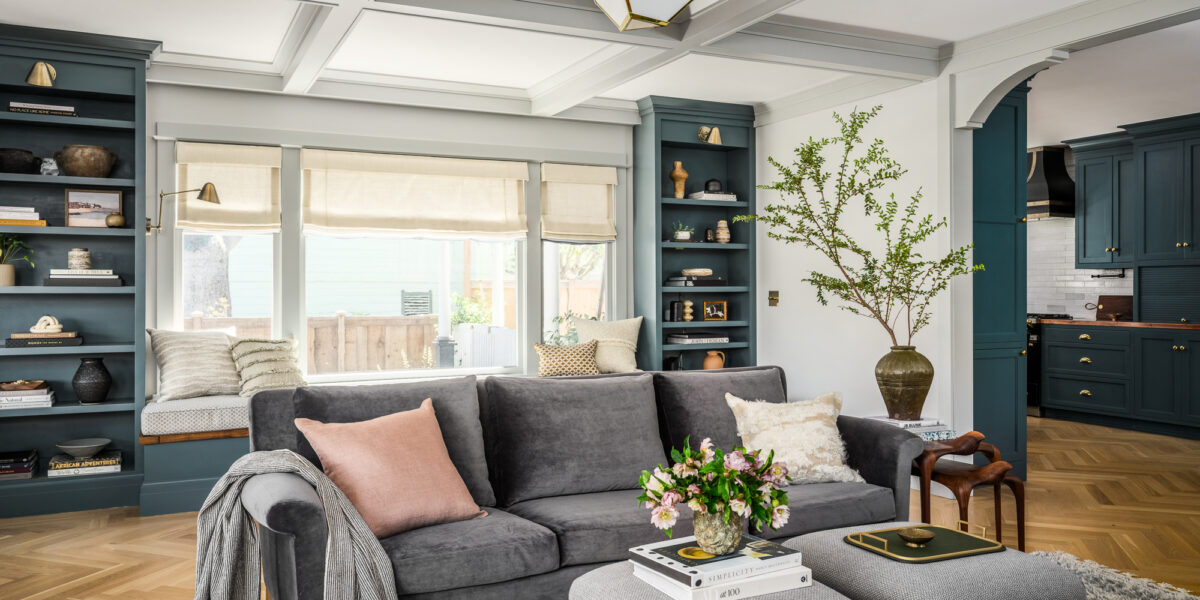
(904, 376)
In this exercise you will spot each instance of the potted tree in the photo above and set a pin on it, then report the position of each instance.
(888, 279)
(11, 251)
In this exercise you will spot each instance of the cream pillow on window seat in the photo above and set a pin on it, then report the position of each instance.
(804, 435)
(616, 342)
(264, 364)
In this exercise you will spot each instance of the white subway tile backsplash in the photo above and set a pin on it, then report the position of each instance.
(1053, 283)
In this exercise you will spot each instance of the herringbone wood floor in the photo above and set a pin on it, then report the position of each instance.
(1125, 499)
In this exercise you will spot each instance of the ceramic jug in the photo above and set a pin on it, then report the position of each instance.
(714, 360)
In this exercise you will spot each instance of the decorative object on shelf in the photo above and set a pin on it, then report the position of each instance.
(85, 447)
(723, 236)
(714, 359)
(895, 288)
(711, 135)
(92, 381)
(672, 363)
(46, 324)
(713, 186)
(688, 310)
(23, 385)
(49, 167)
(11, 251)
(676, 311)
(629, 15)
(208, 193)
(696, 272)
(90, 208)
(15, 160)
(42, 74)
(681, 232)
(114, 221)
(714, 310)
(79, 258)
(699, 480)
(708, 235)
(83, 160)
(679, 176)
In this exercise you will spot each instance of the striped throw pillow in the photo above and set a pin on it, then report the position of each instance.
(266, 365)
(193, 364)
(559, 361)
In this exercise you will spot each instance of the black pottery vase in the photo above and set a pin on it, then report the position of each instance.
(92, 381)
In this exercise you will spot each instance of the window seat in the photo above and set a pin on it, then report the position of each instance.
(196, 415)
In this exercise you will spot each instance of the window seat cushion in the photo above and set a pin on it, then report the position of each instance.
(195, 415)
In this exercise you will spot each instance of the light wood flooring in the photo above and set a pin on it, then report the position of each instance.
(1125, 499)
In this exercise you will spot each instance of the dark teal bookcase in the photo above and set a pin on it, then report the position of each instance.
(104, 78)
(669, 132)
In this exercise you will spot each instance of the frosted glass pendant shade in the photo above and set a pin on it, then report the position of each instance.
(642, 14)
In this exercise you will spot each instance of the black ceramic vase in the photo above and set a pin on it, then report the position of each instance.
(92, 381)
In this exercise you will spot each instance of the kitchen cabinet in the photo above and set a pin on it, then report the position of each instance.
(1105, 183)
(1167, 190)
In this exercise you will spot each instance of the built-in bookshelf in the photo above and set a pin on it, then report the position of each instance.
(669, 132)
(103, 79)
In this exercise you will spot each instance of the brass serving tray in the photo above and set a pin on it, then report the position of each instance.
(946, 544)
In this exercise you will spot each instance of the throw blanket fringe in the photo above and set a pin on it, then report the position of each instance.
(227, 546)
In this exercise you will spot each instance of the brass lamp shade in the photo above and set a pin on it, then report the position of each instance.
(42, 75)
(208, 193)
(642, 14)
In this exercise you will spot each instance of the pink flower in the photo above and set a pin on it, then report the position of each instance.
(658, 480)
(684, 470)
(693, 490)
(706, 451)
(649, 504)
(671, 498)
(696, 505)
(710, 477)
(766, 489)
(664, 517)
(779, 516)
(739, 507)
(737, 461)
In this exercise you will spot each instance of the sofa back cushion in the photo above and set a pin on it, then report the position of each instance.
(692, 403)
(554, 437)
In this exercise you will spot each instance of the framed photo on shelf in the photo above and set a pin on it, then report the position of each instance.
(89, 208)
(714, 310)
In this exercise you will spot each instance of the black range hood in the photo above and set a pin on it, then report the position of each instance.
(1050, 192)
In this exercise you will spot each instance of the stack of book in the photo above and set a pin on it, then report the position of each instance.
(86, 277)
(693, 280)
(930, 430)
(724, 196)
(21, 215)
(42, 340)
(697, 337)
(36, 396)
(21, 464)
(65, 465)
(42, 109)
(682, 571)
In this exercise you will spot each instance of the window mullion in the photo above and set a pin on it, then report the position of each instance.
(292, 319)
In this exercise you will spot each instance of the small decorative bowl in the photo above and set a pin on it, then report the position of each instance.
(915, 537)
(84, 448)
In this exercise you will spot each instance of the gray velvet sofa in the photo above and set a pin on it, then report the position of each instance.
(555, 464)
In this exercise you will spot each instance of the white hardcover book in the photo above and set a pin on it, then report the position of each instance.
(32, 106)
(81, 271)
(25, 405)
(768, 583)
(27, 399)
(678, 560)
(20, 215)
(83, 471)
(16, 209)
(908, 424)
(66, 276)
(712, 196)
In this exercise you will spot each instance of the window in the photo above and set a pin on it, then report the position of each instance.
(574, 286)
(228, 282)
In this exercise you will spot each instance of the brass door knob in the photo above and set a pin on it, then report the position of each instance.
(1085, 392)
(1187, 244)
(1084, 336)
(1116, 249)
(1023, 219)
(1085, 360)
(1023, 353)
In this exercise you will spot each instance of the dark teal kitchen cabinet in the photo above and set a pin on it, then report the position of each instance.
(1189, 356)
(1168, 294)
(1104, 188)
(1158, 375)
(1167, 189)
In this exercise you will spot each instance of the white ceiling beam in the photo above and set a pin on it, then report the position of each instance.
(325, 33)
(834, 93)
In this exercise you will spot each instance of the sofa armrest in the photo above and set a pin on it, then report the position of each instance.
(883, 455)
(292, 534)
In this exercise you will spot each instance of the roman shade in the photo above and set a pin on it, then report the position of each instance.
(247, 181)
(577, 204)
(358, 192)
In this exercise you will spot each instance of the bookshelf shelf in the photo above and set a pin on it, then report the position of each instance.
(74, 122)
(66, 290)
(706, 289)
(76, 350)
(127, 476)
(705, 203)
(69, 231)
(725, 346)
(107, 182)
(70, 408)
(704, 246)
(703, 324)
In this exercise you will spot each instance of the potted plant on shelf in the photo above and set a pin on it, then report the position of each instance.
(888, 278)
(11, 251)
(681, 232)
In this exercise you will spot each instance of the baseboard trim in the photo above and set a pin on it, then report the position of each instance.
(175, 496)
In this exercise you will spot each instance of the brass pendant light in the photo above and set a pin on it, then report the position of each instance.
(628, 15)
(42, 75)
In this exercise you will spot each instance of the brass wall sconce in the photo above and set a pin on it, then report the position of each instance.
(42, 75)
(208, 193)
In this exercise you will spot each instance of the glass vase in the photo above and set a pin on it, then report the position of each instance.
(716, 536)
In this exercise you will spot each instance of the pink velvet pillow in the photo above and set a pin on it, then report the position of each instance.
(394, 469)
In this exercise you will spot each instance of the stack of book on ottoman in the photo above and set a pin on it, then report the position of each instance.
(16, 395)
(21, 464)
(681, 570)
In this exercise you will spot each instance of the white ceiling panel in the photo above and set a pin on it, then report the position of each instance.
(944, 20)
(720, 79)
(236, 29)
(419, 47)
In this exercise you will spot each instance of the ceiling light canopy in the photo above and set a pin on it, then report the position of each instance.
(642, 14)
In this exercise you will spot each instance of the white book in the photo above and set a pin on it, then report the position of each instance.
(779, 581)
(712, 196)
(712, 340)
(908, 424)
(20, 215)
(83, 471)
(32, 106)
(81, 272)
(27, 399)
(676, 560)
(16, 209)
(25, 405)
(66, 276)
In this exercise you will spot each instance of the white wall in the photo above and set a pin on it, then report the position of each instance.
(823, 348)
(1054, 284)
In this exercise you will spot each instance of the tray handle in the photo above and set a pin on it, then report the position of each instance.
(983, 530)
(874, 537)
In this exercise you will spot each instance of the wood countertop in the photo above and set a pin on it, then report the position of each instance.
(1184, 326)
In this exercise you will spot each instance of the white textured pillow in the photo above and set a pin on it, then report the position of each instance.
(616, 350)
(804, 435)
(193, 364)
(266, 365)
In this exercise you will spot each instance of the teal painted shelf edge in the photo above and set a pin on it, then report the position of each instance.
(703, 324)
(72, 231)
(70, 408)
(727, 346)
(50, 290)
(704, 246)
(708, 289)
(705, 203)
(64, 180)
(80, 350)
(127, 476)
(55, 120)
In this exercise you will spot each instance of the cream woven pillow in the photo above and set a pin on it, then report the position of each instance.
(193, 364)
(616, 348)
(559, 361)
(266, 365)
(804, 435)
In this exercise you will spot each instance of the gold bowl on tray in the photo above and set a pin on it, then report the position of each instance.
(915, 537)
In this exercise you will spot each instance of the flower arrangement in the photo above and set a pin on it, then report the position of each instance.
(737, 485)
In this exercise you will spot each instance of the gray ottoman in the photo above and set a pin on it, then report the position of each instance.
(862, 575)
(617, 582)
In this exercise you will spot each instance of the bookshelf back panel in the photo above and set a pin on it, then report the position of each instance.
(50, 201)
(105, 319)
(85, 106)
(50, 252)
(43, 142)
(44, 432)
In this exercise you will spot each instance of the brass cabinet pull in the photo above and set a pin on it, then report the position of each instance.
(1023, 353)
(1187, 244)
(1085, 392)
(1085, 360)
(1178, 244)
(1084, 336)
(1174, 347)
(1183, 320)
(1023, 219)
(1116, 249)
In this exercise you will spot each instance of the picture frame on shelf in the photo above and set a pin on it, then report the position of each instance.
(715, 310)
(90, 208)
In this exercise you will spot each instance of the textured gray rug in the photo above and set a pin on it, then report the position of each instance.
(1103, 583)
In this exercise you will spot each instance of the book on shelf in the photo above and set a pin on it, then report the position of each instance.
(20, 209)
(61, 272)
(41, 109)
(32, 336)
(107, 458)
(696, 278)
(936, 436)
(38, 111)
(758, 585)
(113, 281)
(697, 337)
(83, 471)
(23, 222)
(908, 424)
(686, 565)
(692, 282)
(25, 404)
(12, 476)
(43, 342)
(20, 216)
(27, 399)
(713, 196)
(18, 456)
(10, 469)
(108, 275)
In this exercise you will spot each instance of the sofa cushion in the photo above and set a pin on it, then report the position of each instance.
(454, 403)
(194, 415)
(817, 506)
(803, 435)
(598, 527)
(557, 437)
(495, 548)
(692, 403)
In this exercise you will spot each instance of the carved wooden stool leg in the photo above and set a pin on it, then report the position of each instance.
(964, 498)
(926, 470)
(999, 518)
(1018, 488)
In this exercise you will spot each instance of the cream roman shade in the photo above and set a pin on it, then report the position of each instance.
(361, 193)
(247, 181)
(577, 203)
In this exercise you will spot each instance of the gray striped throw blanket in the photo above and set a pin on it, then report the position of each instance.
(227, 563)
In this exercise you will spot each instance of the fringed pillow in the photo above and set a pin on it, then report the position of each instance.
(266, 364)
(804, 435)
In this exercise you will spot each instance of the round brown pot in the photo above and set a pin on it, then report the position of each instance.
(13, 160)
(904, 376)
(85, 161)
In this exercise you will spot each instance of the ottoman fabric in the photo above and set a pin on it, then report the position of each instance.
(618, 581)
(817, 506)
